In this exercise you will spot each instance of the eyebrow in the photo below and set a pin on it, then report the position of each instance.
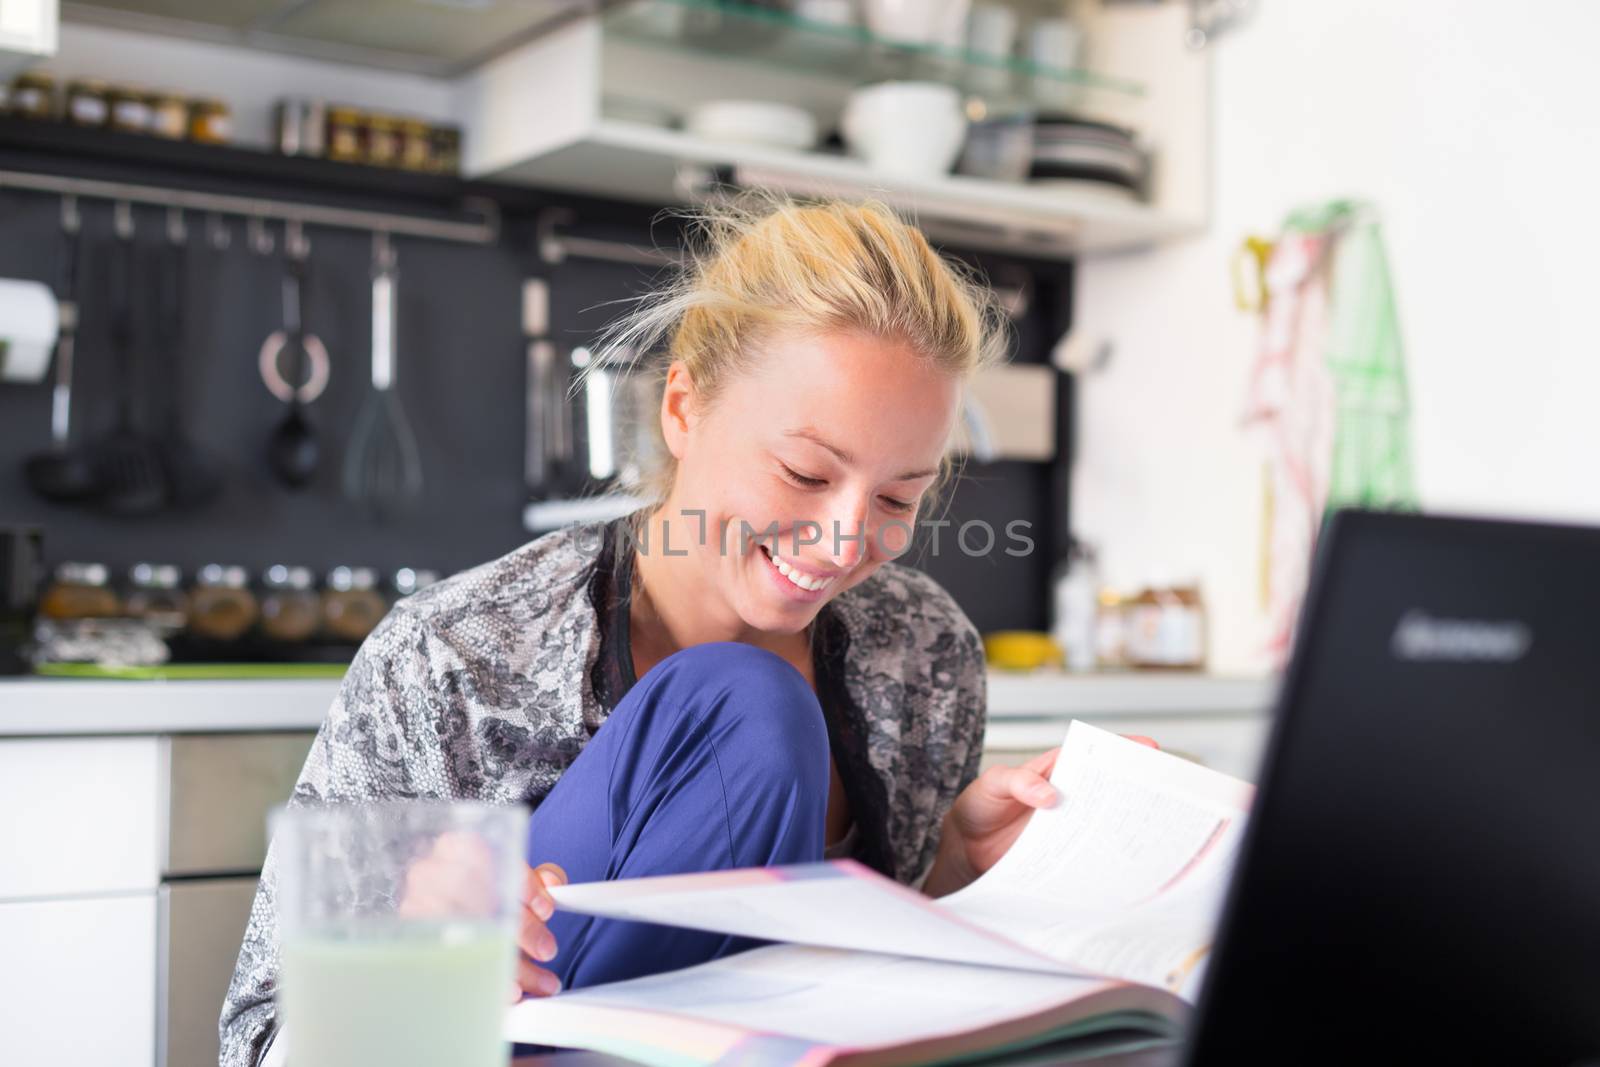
(844, 457)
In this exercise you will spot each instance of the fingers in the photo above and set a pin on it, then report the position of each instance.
(1043, 764)
(534, 938)
(535, 981)
(1021, 784)
(536, 889)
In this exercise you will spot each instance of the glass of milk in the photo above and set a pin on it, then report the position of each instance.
(397, 925)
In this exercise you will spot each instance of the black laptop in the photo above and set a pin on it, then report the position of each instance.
(1420, 881)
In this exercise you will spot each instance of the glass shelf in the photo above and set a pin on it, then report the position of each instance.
(772, 35)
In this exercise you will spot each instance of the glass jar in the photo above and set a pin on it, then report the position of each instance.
(87, 103)
(346, 140)
(446, 150)
(291, 611)
(383, 141)
(408, 581)
(80, 591)
(169, 116)
(351, 606)
(155, 595)
(210, 122)
(221, 606)
(416, 146)
(33, 95)
(129, 110)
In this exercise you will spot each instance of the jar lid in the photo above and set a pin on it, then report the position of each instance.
(155, 575)
(229, 576)
(78, 573)
(36, 77)
(408, 580)
(344, 579)
(282, 576)
(91, 84)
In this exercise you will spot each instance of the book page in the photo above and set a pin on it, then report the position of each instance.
(839, 904)
(1121, 877)
(1124, 875)
(792, 999)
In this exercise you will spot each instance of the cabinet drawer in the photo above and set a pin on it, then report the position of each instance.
(202, 924)
(219, 790)
(81, 816)
(78, 982)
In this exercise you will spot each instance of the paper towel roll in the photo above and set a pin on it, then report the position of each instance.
(28, 325)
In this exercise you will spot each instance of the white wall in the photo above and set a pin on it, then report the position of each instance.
(1472, 125)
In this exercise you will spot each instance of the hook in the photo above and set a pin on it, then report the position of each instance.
(217, 233)
(296, 245)
(261, 242)
(71, 217)
(177, 228)
(122, 220)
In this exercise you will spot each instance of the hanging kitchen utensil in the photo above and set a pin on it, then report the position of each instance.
(129, 463)
(382, 468)
(294, 451)
(193, 476)
(64, 473)
(542, 420)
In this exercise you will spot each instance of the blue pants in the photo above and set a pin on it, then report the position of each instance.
(717, 758)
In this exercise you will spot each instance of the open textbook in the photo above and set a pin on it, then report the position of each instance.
(1096, 923)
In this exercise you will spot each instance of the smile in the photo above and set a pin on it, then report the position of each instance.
(811, 583)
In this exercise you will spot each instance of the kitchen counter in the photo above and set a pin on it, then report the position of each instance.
(40, 707)
(33, 707)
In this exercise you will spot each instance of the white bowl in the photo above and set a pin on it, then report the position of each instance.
(758, 122)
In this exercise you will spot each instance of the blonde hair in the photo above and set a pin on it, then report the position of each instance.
(763, 266)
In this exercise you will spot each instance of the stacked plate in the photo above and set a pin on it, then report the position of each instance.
(1082, 153)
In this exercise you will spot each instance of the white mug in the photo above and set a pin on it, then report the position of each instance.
(912, 129)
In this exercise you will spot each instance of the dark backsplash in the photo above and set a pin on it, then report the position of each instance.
(460, 376)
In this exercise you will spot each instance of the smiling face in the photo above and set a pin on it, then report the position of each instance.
(839, 431)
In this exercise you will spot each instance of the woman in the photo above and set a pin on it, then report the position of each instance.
(738, 675)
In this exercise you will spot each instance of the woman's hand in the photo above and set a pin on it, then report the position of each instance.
(455, 878)
(988, 817)
(533, 938)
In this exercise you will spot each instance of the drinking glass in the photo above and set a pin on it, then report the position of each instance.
(381, 965)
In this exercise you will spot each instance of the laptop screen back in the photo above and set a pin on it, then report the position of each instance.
(1421, 879)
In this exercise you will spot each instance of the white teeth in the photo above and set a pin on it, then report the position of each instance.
(799, 579)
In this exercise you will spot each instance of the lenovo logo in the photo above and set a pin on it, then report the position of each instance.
(1421, 637)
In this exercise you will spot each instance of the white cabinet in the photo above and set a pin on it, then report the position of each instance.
(27, 33)
(83, 815)
(78, 981)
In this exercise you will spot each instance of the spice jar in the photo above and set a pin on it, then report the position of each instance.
(88, 103)
(80, 591)
(416, 145)
(408, 581)
(290, 609)
(446, 150)
(210, 122)
(1166, 627)
(130, 110)
(33, 95)
(169, 116)
(221, 606)
(155, 596)
(383, 141)
(346, 140)
(351, 606)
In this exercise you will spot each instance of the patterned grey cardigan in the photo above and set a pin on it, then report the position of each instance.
(485, 687)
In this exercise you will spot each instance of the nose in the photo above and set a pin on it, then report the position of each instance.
(847, 538)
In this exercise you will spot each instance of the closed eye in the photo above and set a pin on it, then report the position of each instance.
(802, 480)
(901, 506)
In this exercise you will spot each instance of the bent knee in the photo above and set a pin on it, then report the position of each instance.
(755, 695)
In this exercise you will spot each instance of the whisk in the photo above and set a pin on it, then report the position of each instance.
(382, 468)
